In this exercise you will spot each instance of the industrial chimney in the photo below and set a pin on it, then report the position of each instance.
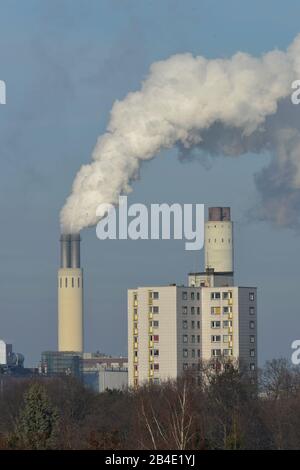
(219, 241)
(70, 295)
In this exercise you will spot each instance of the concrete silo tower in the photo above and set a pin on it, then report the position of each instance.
(70, 295)
(219, 241)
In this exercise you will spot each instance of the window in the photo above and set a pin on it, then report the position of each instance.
(225, 338)
(215, 295)
(66, 282)
(73, 283)
(184, 324)
(198, 338)
(192, 310)
(198, 324)
(193, 353)
(192, 295)
(215, 324)
(252, 352)
(215, 338)
(227, 323)
(192, 324)
(155, 324)
(184, 295)
(251, 296)
(155, 295)
(185, 353)
(184, 310)
(252, 366)
(198, 295)
(198, 352)
(215, 310)
(155, 309)
(156, 338)
(252, 339)
(193, 338)
(227, 352)
(216, 352)
(156, 366)
(156, 380)
(251, 311)
(225, 295)
(155, 352)
(251, 325)
(198, 310)
(184, 338)
(185, 366)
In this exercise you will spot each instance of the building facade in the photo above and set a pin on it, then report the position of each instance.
(173, 329)
(60, 363)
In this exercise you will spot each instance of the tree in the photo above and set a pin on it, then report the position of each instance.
(38, 420)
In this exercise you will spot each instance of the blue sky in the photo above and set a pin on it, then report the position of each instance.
(65, 63)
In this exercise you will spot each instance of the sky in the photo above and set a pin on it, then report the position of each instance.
(65, 62)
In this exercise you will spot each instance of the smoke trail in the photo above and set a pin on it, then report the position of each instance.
(226, 107)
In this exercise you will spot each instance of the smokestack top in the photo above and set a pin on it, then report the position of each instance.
(70, 250)
(219, 214)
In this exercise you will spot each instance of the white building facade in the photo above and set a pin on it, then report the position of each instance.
(173, 329)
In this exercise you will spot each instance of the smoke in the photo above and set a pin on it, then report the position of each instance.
(220, 107)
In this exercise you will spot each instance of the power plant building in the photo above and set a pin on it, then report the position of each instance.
(172, 329)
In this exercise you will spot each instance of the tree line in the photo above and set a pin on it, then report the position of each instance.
(223, 408)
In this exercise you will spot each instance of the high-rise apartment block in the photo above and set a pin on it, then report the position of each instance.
(172, 329)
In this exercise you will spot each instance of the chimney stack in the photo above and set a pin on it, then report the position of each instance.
(70, 295)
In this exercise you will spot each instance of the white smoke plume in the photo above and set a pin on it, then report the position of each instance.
(221, 106)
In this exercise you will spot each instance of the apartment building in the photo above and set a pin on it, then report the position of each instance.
(172, 329)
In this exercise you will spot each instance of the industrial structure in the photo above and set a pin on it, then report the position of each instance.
(98, 372)
(70, 296)
(172, 329)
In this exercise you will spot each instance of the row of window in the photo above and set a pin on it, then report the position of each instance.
(153, 324)
(154, 309)
(154, 295)
(193, 296)
(217, 338)
(227, 309)
(228, 324)
(228, 352)
(217, 310)
(194, 352)
(193, 324)
(228, 295)
(194, 338)
(217, 295)
(72, 283)
(153, 352)
(193, 310)
(217, 324)
(218, 352)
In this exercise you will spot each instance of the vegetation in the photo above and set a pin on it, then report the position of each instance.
(226, 409)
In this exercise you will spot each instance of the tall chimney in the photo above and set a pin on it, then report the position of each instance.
(70, 295)
(219, 240)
